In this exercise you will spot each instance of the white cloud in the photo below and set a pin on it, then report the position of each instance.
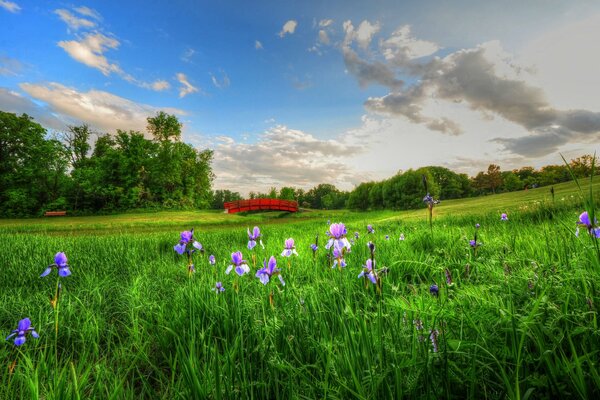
(188, 54)
(10, 66)
(282, 156)
(90, 51)
(258, 45)
(403, 44)
(365, 33)
(10, 6)
(223, 82)
(186, 87)
(13, 102)
(88, 12)
(100, 109)
(73, 21)
(325, 23)
(160, 85)
(288, 28)
(323, 37)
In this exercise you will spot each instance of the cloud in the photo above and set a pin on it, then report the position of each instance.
(281, 156)
(13, 102)
(10, 66)
(10, 6)
(258, 45)
(102, 110)
(73, 21)
(158, 85)
(325, 23)
(323, 37)
(88, 12)
(186, 87)
(288, 28)
(486, 79)
(90, 51)
(223, 83)
(188, 54)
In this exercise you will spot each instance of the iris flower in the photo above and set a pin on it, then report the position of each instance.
(218, 288)
(289, 248)
(268, 271)
(370, 228)
(23, 328)
(433, 289)
(585, 221)
(369, 271)
(337, 234)
(60, 263)
(211, 259)
(504, 217)
(254, 237)
(186, 238)
(237, 261)
(338, 256)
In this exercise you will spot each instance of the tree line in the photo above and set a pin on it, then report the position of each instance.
(88, 172)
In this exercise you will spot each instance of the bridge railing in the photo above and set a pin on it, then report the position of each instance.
(261, 204)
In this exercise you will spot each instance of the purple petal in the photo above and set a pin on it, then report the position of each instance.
(24, 324)
(256, 232)
(64, 271)
(251, 244)
(179, 248)
(372, 277)
(281, 280)
(240, 270)
(186, 236)
(35, 334)
(289, 243)
(237, 257)
(46, 272)
(286, 253)
(584, 219)
(11, 335)
(361, 274)
(60, 259)
(20, 340)
(272, 264)
(211, 259)
(197, 245)
(228, 270)
(264, 278)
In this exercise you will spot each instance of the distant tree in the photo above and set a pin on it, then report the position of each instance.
(511, 182)
(493, 177)
(164, 127)
(287, 193)
(582, 166)
(359, 196)
(220, 197)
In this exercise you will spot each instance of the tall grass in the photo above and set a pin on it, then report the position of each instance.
(519, 321)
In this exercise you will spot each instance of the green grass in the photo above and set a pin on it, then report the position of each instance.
(519, 320)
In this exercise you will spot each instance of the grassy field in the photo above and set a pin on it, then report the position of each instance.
(518, 320)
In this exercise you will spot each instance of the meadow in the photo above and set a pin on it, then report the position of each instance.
(514, 316)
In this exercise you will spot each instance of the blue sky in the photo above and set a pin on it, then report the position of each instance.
(303, 92)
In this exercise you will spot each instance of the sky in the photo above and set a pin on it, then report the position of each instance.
(297, 93)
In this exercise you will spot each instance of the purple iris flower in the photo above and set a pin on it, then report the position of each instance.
(237, 261)
(402, 236)
(433, 289)
(289, 248)
(430, 201)
(211, 259)
(369, 271)
(268, 271)
(254, 237)
(314, 247)
(218, 288)
(23, 328)
(186, 238)
(338, 255)
(504, 217)
(60, 263)
(473, 243)
(356, 235)
(337, 234)
(387, 237)
(477, 226)
(370, 228)
(585, 221)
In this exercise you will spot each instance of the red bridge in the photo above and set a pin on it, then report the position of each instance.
(261, 204)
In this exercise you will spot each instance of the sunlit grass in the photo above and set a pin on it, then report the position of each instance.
(520, 319)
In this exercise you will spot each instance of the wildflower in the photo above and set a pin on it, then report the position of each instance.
(433, 336)
(504, 217)
(268, 271)
(237, 261)
(448, 277)
(387, 237)
(370, 229)
(337, 234)
(338, 256)
(369, 271)
(187, 237)
(314, 247)
(433, 289)
(254, 237)
(218, 288)
(473, 243)
(477, 226)
(289, 248)
(60, 263)
(585, 221)
(356, 235)
(212, 260)
(430, 201)
(371, 247)
(23, 328)
(402, 236)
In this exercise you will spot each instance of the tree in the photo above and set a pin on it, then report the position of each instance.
(287, 193)
(493, 177)
(164, 127)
